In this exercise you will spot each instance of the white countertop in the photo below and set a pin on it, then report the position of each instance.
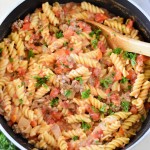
(6, 6)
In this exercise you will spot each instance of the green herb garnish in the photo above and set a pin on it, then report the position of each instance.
(54, 102)
(117, 50)
(103, 108)
(30, 54)
(125, 106)
(110, 112)
(79, 79)
(41, 80)
(95, 32)
(5, 144)
(11, 60)
(75, 138)
(21, 101)
(142, 118)
(71, 49)
(65, 43)
(59, 34)
(99, 98)
(68, 22)
(85, 126)
(67, 93)
(124, 80)
(131, 56)
(129, 87)
(85, 94)
(94, 109)
(105, 82)
(94, 43)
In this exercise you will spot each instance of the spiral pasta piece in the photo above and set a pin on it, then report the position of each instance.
(116, 86)
(41, 91)
(78, 118)
(144, 91)
(57, 44)
(96, 103)
(96, 91)
(92, 54)
(118, 26)
(4, 81)
(147, 74)
(62, 143)
(118, 64)
(130, 121)
(140, 106)
(31, 90)
(112, 128)
(137, 85)
(27, 112)
(49, 13)
(91, 8)
(10, 89)
(49, 139)
(80, 16)
(121, 115)
(81, 71)
(85, 61)
(19, 44)
(3, 65)
(72, 133)
(93, 147)
(117, 143)
(34, 21)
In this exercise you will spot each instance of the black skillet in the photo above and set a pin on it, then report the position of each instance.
(118, 7)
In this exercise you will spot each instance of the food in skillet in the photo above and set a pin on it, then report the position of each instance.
(63, 87)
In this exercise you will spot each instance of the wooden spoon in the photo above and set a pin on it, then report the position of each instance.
(116, 40)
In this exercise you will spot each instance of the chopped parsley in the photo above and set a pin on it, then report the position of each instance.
(103, 108)
(142, 118)
(94, 109)
(5, 144)
(129, 87)
(11, 60)
(131, 56)
(85, 94)
(117, 50)
(65, 43)
(110, 112)
(68, 22)
(94, 43)
(96, 32)
(124, 80)
(30, 54)
(41, 80)
(66, 66)
(79, 79)
(21, 101)
(125, 105)
(85, 126)
(1, 50)
(71, 49)
(105, 82)
(99, 98)
(67, 93)
(59, 34)
(54, 102)
(75, 138)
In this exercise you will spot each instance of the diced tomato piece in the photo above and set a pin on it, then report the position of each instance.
(54, 92)
(97, 134)
(107, 91)
(100, 17)
(33, 123)
(95, 116)
(21, 71)
(13, 118)
(96, 72)
(68, 33)
(87, 29)
(118, 76)
(115, 99)
(56, 115)
(121, 131)
(132, 75)
(62, 52)
(99, 55)
(97, 82)
(130, 24)
(26, 26)
(64, 104)
(27, 19)
(102, 46)
(133, 110)
(141, 58)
